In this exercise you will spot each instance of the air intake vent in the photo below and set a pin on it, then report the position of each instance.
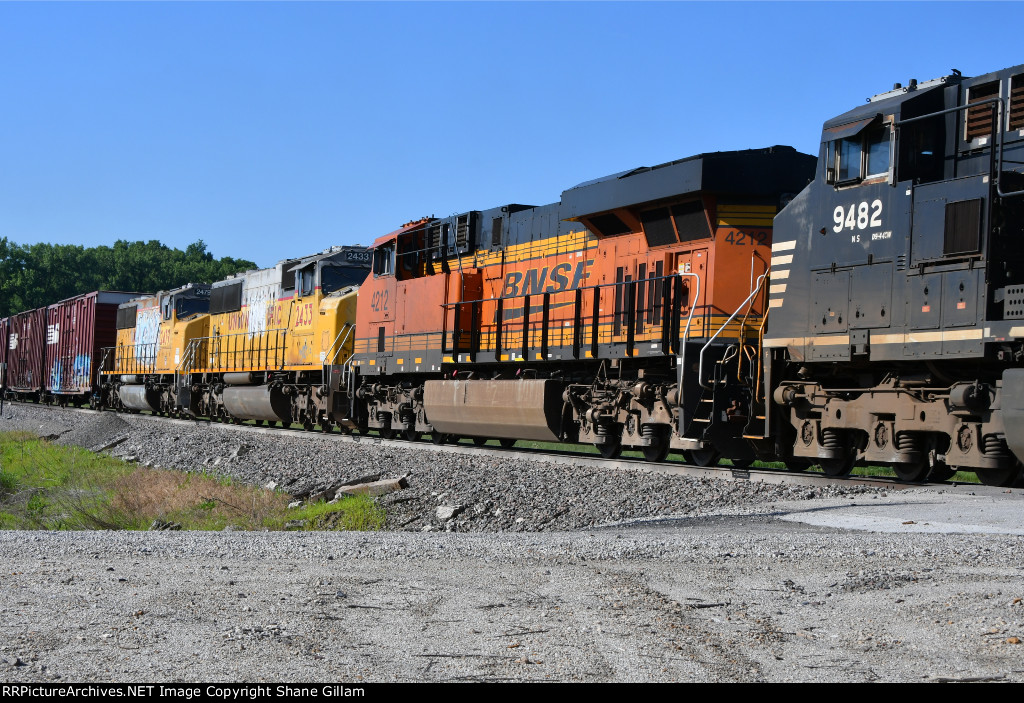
(979, 119)
(963, 228)
(691, 222)
(608, 225)
(226, 298)
(1017, 102)
(462, 232)
(1013, 303)
(496, 232)
(658, 227)
(126, 317)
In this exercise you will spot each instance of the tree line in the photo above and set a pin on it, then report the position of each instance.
(34, 275)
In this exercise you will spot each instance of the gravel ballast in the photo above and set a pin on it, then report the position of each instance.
(571, 574)
(447, 491)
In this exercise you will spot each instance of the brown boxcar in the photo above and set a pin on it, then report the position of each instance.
(76, 330)
(26, 352)
(4, 341)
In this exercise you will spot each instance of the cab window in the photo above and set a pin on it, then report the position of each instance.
(384, 260)
(305, 282)
(188, 306)
(864, 155)
(334, 278)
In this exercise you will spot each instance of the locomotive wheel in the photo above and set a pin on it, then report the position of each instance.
(742, 463)
(941, 472)
(656, 452)
(704, 457)
(506, 443)
(840, 466)
(387, 433)
(438, 438)
(258, 423)
(479, 441)
(412, 435)
(797, 465)
(1002, 478)
(610, 450)
(911, 471)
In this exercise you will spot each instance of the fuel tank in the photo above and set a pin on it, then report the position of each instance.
(137, 397)
(257, 403)
(526, 409)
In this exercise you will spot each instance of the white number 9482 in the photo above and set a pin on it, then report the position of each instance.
(859, 216)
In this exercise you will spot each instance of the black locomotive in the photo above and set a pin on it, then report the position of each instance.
(896, 311)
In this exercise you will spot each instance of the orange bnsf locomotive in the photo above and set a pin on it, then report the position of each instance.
(628, 314)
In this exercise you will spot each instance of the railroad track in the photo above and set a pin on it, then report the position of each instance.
(566, 457)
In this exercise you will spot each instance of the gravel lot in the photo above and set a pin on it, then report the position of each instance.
(712, 588)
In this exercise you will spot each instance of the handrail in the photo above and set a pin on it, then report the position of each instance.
(217, 349)
(681, 366)
(743, 322)
(700, 368)
(134, 359)
(998, 141)
(526, 298)
(346, 328)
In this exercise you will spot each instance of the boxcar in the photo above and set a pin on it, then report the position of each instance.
(26, 351)
(3, 354)
(76, 329)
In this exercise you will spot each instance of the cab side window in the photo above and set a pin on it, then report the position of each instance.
(384, 260)
(859, 157)
(306, 281)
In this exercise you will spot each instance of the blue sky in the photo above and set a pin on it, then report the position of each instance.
(273, 130)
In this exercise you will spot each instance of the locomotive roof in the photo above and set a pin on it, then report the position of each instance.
(889, 102)
(774, 169)
(335, 251)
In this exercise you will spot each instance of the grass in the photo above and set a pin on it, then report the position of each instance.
(46, 486)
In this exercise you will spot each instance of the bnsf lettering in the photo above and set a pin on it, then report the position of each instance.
(543, 281)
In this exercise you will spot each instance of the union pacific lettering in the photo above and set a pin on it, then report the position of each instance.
(238, 321)
(275, 316)
(543, 280)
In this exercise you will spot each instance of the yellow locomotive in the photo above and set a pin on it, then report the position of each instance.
(256, 346)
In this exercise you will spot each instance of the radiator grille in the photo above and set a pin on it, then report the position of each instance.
(1013, 303)
(963, 227)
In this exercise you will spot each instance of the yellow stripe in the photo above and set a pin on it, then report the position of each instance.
(780, 275)
(782, 260)
(735, 221)
(830, 341)
(783, 246)
(747, 208)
